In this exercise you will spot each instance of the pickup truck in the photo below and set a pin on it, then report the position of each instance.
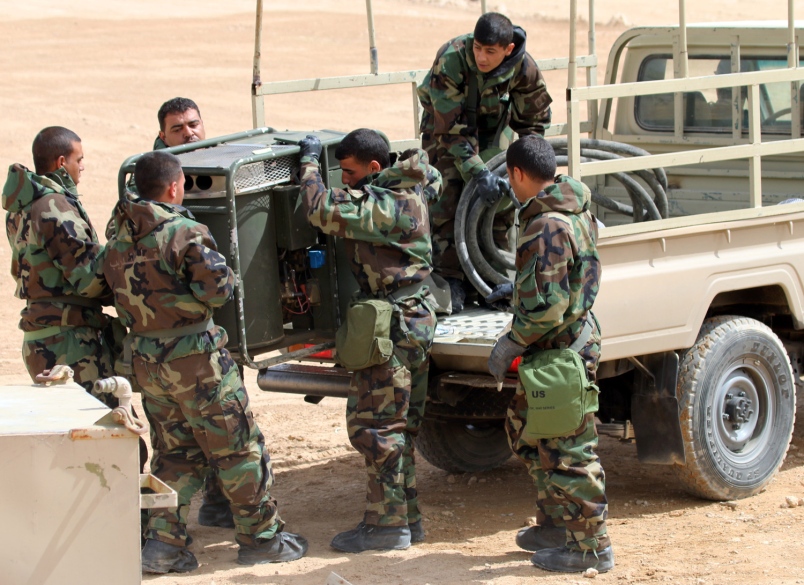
(701, 303)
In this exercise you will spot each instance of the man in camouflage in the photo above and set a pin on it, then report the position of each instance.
(557, 279)
(167, 278)
(55, 263)
(382, 216)
(180, 123)
(483, 86)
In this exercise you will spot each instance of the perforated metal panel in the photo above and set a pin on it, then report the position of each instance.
(257, 176)
(251, 177)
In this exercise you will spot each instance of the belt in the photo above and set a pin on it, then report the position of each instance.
(42, 333)
(586, 333)
(70, 300)
(128, 341)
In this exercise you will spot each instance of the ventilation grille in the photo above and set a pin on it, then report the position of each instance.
(257, 176)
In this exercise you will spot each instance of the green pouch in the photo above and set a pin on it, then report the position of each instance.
(363, 339)
(558, 392)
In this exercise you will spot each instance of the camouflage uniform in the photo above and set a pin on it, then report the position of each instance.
(213, 493)
(167, 275)
(557, 279)
(387, 235)
(55, 263)
(460, 151)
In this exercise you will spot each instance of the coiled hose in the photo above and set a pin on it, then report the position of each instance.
(486, 265)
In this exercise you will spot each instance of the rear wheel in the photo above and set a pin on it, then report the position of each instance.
(737, 408)
(463, 446)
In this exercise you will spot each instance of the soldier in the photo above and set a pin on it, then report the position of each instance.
(55, 263)
(167, 278)
(551, 421)
(382, 215)
(179, 123)
(482, 87)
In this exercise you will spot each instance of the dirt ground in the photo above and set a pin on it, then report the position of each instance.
(104, 75)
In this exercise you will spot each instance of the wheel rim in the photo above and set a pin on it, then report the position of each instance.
(744, 406)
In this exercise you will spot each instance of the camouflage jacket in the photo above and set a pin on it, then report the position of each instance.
(385, 224)
(54, 250)
(557, 266)
(445, 88)
(166, 273)
(159, 144)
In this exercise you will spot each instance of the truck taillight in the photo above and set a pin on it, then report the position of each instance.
(327, 354)
(514, 367)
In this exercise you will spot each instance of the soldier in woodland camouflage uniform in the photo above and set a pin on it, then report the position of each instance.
(510, 96)
(180, 123)
(557, 279)
(382, 216)
(167, 278)
(55, 264)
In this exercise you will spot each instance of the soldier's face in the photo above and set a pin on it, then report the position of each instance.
(74, 162)
(353, 171)
(183, 128)
(489, 57)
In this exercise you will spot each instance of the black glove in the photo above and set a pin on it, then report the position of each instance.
(502, 356)
(488, 187)
(310, 146)
(500, 296)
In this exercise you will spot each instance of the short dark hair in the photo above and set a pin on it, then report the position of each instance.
(51, 143)
(534, 156)
(154, 172)
(494, 28)
(178, 105)
(365, 145)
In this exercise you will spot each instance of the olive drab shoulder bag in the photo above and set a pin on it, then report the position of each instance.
(364, 338)
(557, 389)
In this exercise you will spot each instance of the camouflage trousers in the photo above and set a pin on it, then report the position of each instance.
(200, 418)
(84, 349)
(385, 410)
(570, 483)
(442, 220)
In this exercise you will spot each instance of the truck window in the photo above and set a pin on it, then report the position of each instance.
(710, 111)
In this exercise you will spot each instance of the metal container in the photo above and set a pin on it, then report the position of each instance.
(70, 497)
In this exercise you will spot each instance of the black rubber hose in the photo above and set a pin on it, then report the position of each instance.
(483, 267)
(467, 197)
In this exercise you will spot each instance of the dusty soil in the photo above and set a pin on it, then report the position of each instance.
(105, 74)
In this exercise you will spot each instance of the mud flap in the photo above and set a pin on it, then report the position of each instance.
(654, 411)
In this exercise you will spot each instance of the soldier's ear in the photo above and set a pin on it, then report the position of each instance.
(374, 167)
(509, 49)
(60, 162)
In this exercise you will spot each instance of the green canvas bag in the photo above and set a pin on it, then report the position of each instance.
(363, 339)
(558, 392)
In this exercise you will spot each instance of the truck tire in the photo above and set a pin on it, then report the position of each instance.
(737, 407)
(463, 447)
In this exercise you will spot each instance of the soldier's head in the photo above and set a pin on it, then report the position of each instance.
(180, 122)
(56, 147)
(362, 152)
(531, 163)
(159, 177)
(493, 41)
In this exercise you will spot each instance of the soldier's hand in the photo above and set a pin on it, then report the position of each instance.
(488, 187)
(500, 296)
(310, 146)
(502, 356)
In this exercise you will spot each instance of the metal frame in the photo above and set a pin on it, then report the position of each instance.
(413, 76)
(753, 151)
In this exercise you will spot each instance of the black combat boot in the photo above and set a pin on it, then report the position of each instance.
(539, 537)
(372, 537)
(457, 294)
(160, 557)
(416, 532)
(215, 514)
(566, 560)
(283, 547)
